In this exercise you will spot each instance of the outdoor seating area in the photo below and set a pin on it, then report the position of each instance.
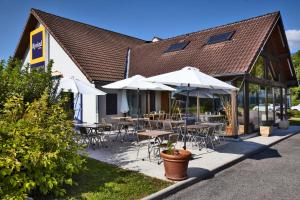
(154, 134)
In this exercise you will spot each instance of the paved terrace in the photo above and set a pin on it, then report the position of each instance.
(124, 154)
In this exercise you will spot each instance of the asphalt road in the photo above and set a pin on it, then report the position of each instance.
(272, 174)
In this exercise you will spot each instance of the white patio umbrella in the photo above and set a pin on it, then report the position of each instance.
(124, 103)
(190, 77)
(74, 85)
(138, 83)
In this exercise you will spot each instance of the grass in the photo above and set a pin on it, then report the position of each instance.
(294, 121)
(105, 181)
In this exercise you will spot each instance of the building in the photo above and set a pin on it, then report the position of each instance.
(252, 54)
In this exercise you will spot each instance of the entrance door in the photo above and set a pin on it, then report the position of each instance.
(165, 101)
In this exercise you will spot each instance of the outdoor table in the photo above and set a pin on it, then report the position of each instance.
(197, 126)
(211, 124)
(121, 118)
(213, 117)
(139, 119)
(156, 135)
(93, 131)
(123, 125)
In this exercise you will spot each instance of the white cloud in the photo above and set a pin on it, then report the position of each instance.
(293, 37)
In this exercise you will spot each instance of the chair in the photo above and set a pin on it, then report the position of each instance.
(160, 145)
(153, 124)
(220, 131)
(167, 126)
(85, 137)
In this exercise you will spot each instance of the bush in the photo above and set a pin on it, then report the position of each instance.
(36, 147)
(37, 150)
(293, 113)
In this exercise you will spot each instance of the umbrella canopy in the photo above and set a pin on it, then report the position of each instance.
(74, 85)
(124, 103)
(191, 77)
(137, 82)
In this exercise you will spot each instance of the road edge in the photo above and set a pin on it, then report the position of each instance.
(203, 176)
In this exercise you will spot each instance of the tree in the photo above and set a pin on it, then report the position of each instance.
(295, 92)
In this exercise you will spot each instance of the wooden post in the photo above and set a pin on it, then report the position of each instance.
(234, 113)
(281, 103)
(246, 105)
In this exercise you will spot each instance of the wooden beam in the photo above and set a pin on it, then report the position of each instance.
(234, 113)
(265, 82)
(246, 105)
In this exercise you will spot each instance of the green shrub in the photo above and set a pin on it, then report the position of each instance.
(37, 151)
(293, 113)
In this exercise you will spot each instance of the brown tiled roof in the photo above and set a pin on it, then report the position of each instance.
(231, 57)
(99, 53)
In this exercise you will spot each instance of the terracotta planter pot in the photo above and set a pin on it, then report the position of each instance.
(229, 130)
(265, 131)
(176, 165)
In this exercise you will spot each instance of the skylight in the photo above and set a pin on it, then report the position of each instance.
(177, 46)
(220, 37)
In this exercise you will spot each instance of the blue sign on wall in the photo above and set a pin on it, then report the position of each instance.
(37, 47)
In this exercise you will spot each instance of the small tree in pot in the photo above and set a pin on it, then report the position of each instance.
(175, 162)
(228, 112)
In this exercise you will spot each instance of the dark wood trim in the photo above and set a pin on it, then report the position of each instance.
(246, 104)
(285, 101)
(281, 103)
(265, 82)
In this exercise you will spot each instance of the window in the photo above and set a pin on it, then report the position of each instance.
(111, 104)
(152, 101)
(220, 37)
(178, 46)
(258, 70)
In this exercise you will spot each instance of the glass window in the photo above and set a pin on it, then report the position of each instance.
(240, 103)
(111, 104)
(254, 108)
(258, 69)
(271, 113)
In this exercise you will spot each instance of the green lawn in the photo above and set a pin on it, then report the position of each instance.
(104, 181)
(294, 121)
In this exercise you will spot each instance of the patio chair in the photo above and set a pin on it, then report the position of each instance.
(167, 126)
(159, 146)
(220, 132)
(85, 138)
(153, 124)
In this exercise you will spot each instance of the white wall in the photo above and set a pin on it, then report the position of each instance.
(64, 64)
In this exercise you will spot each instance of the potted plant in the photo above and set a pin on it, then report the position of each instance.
(228, 113)
(284, 123)
(266, 128)
(175, 162)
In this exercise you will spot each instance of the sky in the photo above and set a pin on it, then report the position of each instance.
(145, 19)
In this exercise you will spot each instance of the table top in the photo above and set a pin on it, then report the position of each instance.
(212, 115)
(91, 125)
(140, 119)
(211, 123)
(172, 121)
(120, 118)
(154, 133)
(197, 126)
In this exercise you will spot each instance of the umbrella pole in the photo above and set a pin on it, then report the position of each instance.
(186, 116)
(138, 113)
(198, 104)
